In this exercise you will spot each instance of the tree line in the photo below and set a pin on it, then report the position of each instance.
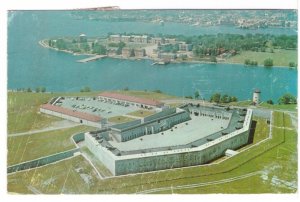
(39, 89)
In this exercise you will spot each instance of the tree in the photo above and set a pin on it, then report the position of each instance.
(270, 102)
(247, 62)
(112, 44)
(253, 63)
(50, 42)
(225, 98)
(43, 89)
(121, 44)
(234, 99)
(157, 91)
(86, 89)
(126, 89)
(213, 59)
(61, 44)
(292, 64)
(37, 89)
(197, 94)
(99, 49)
(268, 62)
(287, 99)
(29, 90)
(215, 97)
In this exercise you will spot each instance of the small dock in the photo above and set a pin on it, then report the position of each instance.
(161, 62)
(97, 57)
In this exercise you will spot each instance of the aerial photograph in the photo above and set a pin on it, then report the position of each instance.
(174, 101)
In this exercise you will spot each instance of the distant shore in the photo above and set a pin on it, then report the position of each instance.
(45, 45)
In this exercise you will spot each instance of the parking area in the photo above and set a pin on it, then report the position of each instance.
(95, 106)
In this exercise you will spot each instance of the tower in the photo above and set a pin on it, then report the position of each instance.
(82, 38)
(256, 96)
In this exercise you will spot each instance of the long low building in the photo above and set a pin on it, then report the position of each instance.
(94, 111)
(150, 125)
(72, 115)
(200, 136)
(130, 100)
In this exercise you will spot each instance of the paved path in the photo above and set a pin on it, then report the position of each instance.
(189, 186)
(43, 130)
(34, 190)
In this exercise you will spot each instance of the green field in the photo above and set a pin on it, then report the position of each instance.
(96, 162)
(141, 113)
(275, 158)
(120, 119)
(280, 57)
(74, 175)
(23, 110)
(28, 147)
(288, 107)
(262, 129)
(146, 94)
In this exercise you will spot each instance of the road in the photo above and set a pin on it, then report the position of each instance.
(44, 130)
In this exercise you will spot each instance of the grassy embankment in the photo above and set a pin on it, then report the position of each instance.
(287, 107)
(264, 105)
(72, 176)
(276, 157)
(280, 57)
(29, 147)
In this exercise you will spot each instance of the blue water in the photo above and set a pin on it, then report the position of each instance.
(30, 65)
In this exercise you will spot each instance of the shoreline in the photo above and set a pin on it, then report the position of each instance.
(43, 44)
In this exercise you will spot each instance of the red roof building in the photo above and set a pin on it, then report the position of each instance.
(128, 98)
(69, 112)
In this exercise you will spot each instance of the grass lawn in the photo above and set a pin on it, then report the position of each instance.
(247, 103)
(146, 94)
(72, 176)
(141, 113)
(262, 129)
(280, 57)
(120, 119)
(175, 104)
(23, 110)
(288, 107)
(28, 147)
(96, 162)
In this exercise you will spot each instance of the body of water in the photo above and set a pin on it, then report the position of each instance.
(30, 65)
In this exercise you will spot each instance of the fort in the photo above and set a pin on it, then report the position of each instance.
(169, 138)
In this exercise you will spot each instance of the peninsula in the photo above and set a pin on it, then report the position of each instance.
(251, 50)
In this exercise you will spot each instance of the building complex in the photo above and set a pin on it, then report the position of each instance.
(169, 138)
